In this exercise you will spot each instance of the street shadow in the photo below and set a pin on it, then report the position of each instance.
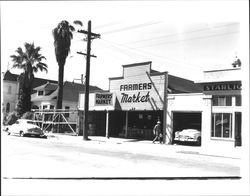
(137, 140)
(187, 143)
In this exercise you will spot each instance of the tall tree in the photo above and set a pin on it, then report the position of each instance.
(63, 34)
(30, 61)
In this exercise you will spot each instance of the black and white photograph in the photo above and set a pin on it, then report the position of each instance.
(125, 98)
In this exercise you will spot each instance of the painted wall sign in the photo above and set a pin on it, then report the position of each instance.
(222, 87)
(136, 97)
(103, 99)
(136, 87)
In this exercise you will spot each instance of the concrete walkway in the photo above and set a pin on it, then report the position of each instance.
(146, 146)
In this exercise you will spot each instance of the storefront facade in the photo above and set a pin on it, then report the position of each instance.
(139, 100)
(140, 96)
(216, 112)
(224, 89)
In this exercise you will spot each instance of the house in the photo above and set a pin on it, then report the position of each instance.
(44, 93)
(45, 96)
(10, 90)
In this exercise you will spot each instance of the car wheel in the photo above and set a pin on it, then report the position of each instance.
(199, 141)
(21, 134)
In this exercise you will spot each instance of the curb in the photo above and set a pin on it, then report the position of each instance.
(143, 143)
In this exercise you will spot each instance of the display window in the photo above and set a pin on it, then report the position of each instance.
(221, 125)
(222, 100)
(238, 100)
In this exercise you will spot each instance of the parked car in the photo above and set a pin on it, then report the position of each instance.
(24, 127)
(188, 135)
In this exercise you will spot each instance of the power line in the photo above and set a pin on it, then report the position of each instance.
(156, 56)
(183, 40)
(131, 27)
(107, 25)
(175, 34)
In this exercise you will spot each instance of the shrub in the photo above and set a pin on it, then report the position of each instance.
(11, 118)
(28, 115)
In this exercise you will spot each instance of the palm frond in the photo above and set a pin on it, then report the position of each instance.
(71, 28)
(78, 22)
(42, 67)
(29, 58)
(62, 40)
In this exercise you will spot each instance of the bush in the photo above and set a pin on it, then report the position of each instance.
(11, 118)
(28, 115)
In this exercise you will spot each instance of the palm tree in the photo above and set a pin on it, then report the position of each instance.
(63, 34)
(30, 60)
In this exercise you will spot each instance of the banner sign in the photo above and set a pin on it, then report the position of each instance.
(103, 99)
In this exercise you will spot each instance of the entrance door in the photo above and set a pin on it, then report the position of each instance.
(237, 128)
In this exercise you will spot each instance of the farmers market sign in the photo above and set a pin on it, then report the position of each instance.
(103, 99)
(138, 96)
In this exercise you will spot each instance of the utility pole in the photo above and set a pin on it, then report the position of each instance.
(90, 36)
(166, 136)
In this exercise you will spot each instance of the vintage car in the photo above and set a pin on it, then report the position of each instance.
(188, 135)
(24, 127)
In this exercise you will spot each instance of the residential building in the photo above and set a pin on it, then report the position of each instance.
(10, 90)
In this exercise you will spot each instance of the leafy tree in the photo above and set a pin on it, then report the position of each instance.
(63, 34)
(30, 61)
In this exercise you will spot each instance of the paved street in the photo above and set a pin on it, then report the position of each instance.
(69, 166)
(69, 157)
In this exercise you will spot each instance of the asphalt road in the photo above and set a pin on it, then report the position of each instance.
(70, 166)
(27, 157)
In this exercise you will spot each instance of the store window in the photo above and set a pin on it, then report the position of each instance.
(238, 100)
(222, 100)
(222, 125)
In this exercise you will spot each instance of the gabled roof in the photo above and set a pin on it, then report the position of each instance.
(181, 85)
(71, 90)
(49, 97)
(8, 76)
(48, 86)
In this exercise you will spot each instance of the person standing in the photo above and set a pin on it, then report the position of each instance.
(158, 132)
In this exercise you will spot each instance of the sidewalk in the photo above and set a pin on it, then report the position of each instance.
(146, 146)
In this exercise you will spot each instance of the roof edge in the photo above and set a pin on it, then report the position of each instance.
(138, 64)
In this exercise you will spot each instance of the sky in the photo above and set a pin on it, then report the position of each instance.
(184, 38)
